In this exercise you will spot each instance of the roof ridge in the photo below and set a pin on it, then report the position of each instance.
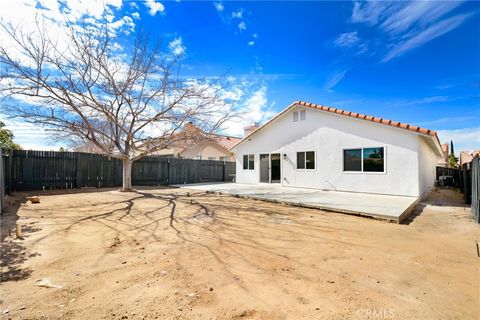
(367, 117)
(352, 114)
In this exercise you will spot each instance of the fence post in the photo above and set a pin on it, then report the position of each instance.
(223, 171)
(9, 171)
(168, 172)
(2, 183)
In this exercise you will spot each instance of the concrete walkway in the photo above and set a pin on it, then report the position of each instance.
(385, 207)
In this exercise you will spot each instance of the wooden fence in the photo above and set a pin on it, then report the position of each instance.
(37, 170)
(467, 179)
(475, 190)
(449, 172)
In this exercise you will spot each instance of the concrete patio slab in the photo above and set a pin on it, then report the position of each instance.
(385, 207)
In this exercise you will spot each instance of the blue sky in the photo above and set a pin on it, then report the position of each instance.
(415, 62)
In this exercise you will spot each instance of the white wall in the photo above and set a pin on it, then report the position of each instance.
(427, 160)
(328, 134)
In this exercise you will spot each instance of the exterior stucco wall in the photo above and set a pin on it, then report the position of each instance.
(328, 134)
(427, 160)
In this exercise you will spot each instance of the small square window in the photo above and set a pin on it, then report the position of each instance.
(295, 116)
(248, 162)
(303, 115)
(306, 160)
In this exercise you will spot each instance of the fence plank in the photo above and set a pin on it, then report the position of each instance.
(475, 188)
(2, 183)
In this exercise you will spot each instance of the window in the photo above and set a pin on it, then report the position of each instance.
(352, 160)
(225, 158)
(248, 162)
(303, 114)
(373, 160)
(212, 158)
(364, 160)
(306, 160)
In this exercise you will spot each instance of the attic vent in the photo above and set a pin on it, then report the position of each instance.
(303, 114)
(295, 116)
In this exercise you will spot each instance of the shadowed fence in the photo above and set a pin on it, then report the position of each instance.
(467, 179)
(37, 170)
(2, 183)
(475, 190)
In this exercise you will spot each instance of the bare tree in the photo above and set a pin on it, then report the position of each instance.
(127, 100)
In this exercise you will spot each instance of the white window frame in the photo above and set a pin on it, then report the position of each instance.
(248, 162)
(361, 160)
(305, 152)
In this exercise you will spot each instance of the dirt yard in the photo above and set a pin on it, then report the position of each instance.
(166, 254)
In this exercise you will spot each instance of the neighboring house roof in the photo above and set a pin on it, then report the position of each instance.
(223, 141)
(445, 147)
(226, 141)
(391, 123)
(467, 156)
(444, 160)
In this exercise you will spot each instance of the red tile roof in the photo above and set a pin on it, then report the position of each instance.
(353, 115)
(226, 141)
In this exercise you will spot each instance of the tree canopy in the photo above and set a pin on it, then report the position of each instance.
(6, 138)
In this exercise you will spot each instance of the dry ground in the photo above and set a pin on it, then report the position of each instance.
(162, 254)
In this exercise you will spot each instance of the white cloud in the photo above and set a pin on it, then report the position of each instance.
(238, 14)
(253, 106)
(334, 79)
(255, 35)
(406, 25)
(417, 12)
(466, 139)
(370, 12)
(251, 43)
(53, 16)
(242, 26)
(154, 7)
(136, 15)
(347, 39)
(447, 120)
(176, 47)
(420, 38)
(219, 6)
(31, 137)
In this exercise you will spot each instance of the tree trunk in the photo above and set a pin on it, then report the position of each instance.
(127, 175)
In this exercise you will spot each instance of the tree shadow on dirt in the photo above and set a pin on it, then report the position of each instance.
(226, 227)
(13, 251)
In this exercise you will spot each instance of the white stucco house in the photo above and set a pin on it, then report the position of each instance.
(313, 146)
